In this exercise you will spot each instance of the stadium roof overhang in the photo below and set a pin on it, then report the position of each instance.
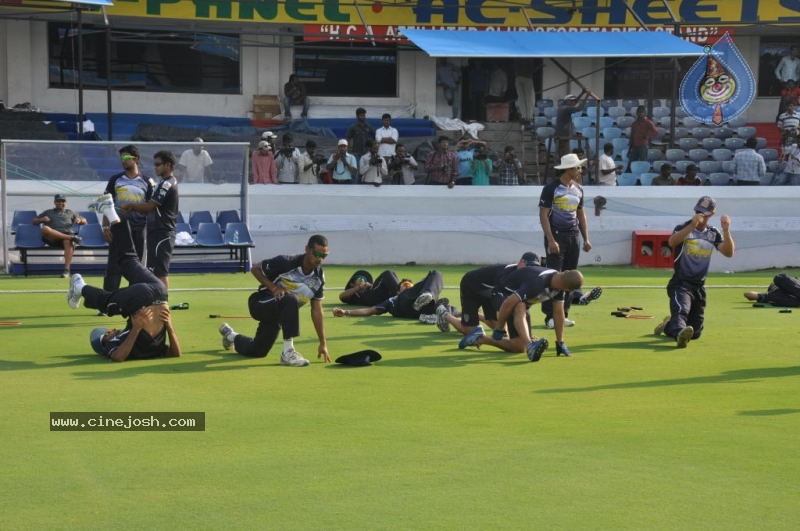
(551, 45)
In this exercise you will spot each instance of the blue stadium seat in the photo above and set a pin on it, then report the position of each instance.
(739, 121)
(209, 234)
(22, 217)
(658, 163)
(639, 167)
(681, 165)
(719, 179)
(675, 154)
(198, 217)
(711, 143)
(688, 143)
(540, 121)
(723, 132)
(734, 143)
(745, 131)
(545, 132)
(699, 154)
(227, 216)
(550, 112)
(624, 121)
(89, 215)
(610, 133)
(183, 227)
(654, 154)
(627, 179)
(661, 112)
(769, 154)
(722, 154)
(581, 122)
(729, 166)
(180, 217)
(701, 132)
(709, 166)
(28, 237)
(607, 121)
(236, 234)
(647, 178)
(616, 112)
(761, 142)
(92, 236)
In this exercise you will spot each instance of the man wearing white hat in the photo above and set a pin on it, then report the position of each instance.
(342, 165)
(562, 217)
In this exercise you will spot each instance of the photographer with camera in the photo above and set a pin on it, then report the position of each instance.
(342, 165)
(402, 166)
(287, 161)
(309, 164)
(372, 166)
(509, 168)
(481, 167)
(442, 166)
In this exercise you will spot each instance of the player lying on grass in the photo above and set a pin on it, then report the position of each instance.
(411, 301)
(784, 291)
(361, 290)
(692, 244)
(512, 298)
(148, 333)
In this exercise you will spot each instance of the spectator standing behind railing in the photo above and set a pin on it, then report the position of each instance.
(194, 165)
(643, 130)
(481, 168)
(791, 161)
(565, 129)
(509, 168)
(387, 137)
(264, 169)
(342, 165)
(309, 163)
(442, 166)
(402, 166)
(287, 161)
(358, 133)
(789, 120)
(607, 174)
(789, 66)
(372, 167)
(750, 165)
(57, 229)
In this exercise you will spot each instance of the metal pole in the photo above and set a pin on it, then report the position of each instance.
(80, 74)
(4, 209)
(109, 119)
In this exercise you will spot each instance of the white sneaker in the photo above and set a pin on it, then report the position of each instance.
(427, 318)
(552, 324)
(441, 318)
(104, 206)
(426, 297)
(74, 295)
(227, 335)
(293, 358)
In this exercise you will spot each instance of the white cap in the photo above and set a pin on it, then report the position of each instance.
(264, 144)
(570, 160)
(342, 142)
(266, 135)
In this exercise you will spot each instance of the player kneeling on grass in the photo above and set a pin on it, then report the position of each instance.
(512, 298)
(692, 243)
(287, 283)
(143, 303)
(411, 300)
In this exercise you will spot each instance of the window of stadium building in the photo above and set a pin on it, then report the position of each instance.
(630, 78)
(145, 60)
(336, 69)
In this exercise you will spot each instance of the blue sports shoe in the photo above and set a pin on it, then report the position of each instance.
(536, 349)
(471, 339)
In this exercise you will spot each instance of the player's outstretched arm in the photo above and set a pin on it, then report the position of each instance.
(728, 246)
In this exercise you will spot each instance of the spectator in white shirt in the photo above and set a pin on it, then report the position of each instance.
(608, 168)
(789, 66)
(403, 166)
(372, 166)
(194, 166)
(386, 137)
(287, 161)
(789, 120)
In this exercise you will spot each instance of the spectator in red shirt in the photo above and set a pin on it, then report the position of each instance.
(690, 179)
(642, 131)
(442, 165)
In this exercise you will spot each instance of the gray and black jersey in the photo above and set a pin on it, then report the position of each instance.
(287, 272)
(563, 202)
(531, 284)
(693, 255)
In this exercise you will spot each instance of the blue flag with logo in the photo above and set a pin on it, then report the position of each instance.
(719, 86)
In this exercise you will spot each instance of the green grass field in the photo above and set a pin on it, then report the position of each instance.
(629, 433)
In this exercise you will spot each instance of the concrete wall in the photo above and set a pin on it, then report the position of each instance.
(466, 225)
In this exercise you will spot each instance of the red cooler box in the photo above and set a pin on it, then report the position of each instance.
(649, 248)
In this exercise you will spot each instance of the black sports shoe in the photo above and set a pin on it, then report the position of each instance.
(594, 294)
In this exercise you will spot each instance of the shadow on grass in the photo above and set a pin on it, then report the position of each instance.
(651, 342)
(737, 376)
(768, 412)
(70, 361)
(457, 359)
